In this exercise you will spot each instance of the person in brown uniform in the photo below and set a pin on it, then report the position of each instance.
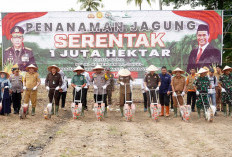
(100, 84)
(151, 82)
(178, 87)
(218, 89)
(31, 83)
(124, 81)
(53, 84)
(109, 76)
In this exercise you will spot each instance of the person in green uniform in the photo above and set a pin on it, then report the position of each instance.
(201, 85)
(225, 83)
(78, 82)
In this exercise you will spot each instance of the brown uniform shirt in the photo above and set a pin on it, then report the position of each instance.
(152, 80)
(178, 83)
(99, 80)
(52, 81)
(218, 75)
(31, 80)
(126, 81)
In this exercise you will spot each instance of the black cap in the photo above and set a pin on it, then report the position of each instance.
(219, 66)
(17, 31)
(82, 66)
(203, 28)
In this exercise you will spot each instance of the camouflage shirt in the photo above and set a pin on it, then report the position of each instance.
(202, 84)
(226, 81)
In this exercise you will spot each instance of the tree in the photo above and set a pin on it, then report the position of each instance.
(139, 3)
(90, 5)
(209, 4)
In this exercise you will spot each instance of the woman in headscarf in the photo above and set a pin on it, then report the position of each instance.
(5, 94)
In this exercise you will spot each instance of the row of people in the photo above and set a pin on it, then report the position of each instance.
(103, 82)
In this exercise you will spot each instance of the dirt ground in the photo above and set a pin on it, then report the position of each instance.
(62, 136)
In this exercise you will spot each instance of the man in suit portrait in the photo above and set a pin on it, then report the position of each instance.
(205, 54)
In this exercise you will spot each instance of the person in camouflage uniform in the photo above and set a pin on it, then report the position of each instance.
(225, 82)
(201, 85)
(109, 76)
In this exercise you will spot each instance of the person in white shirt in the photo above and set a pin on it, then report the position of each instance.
(85, 89)
(213, 82)
(64, 88)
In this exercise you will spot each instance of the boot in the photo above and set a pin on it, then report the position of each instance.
(225, 110)
(149, 111)
(175, 112)
(52, 109)
(121, 110)
(162, 111)
(230, 109)
(57, 109)
(167, 111)
(105, 113)
(199, 112)
(82, 112)
(27, 111)
(33, 111)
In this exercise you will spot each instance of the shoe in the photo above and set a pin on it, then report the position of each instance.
(175, 112)
(15, 112)
(121, 110)
(57, 109)
(193, 110)
(145, 109)
(225, 111)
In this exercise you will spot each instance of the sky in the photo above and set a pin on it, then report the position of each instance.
(65, 5)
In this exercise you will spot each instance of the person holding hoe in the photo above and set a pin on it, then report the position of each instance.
(201, 85)
(31, 83)
(53, 85)
(124, 79)
(78, 82)
(100, 84)
(178, 87)
(151, 85)
(225, 83)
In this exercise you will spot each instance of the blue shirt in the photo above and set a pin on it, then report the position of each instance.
(165, 83)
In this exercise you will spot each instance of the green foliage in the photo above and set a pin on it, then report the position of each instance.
(90, 5)
(139, 3)
(209, 4)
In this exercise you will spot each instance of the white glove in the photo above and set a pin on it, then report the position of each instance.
(104, 87)
(95, 87)
(47, 88)
(197, 92)
(6, 87)
(183, 93)
(57, 88)
(157, 89)
(147, 89)
(77, 88)
(210, 91)
(122, 83)
(34, 88)
(174, 94)
(223, 90)
(24, 87)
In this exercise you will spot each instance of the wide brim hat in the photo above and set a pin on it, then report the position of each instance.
(98, 67)
(53, 66)
(227, 68)
(124, 72)
(152, 68)
(79, 68)
(7, 75)
(202, 70)
(31, 66)
(178, 70)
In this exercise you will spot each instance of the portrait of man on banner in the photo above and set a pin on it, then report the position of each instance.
(17, 53)
(205, 54)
